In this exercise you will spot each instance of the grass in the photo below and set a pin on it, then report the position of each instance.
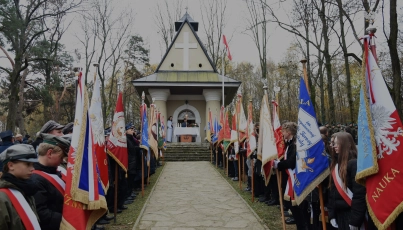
(128, 217)
(271, 215)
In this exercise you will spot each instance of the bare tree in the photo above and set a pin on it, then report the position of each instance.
(165, 15)
(20, 30)
(214, 21)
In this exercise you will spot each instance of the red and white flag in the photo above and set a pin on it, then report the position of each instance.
(251, 132)
(278, 135)
(98, 136)
(384, 178)
(267, 143)
(117, 145)
(84, 198)
(224, 39)
(242, 122)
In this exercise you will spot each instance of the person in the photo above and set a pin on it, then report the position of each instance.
(289, 131)
(347, 206)
(17, 189)
(169, 129)
(51, 127)
(18, 139)
(68, 129)
(50, 193)
(185, 122)
(7, 139)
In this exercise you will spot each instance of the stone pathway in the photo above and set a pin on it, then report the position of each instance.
(193, 195)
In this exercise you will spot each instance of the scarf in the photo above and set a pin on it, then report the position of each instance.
(28, 187)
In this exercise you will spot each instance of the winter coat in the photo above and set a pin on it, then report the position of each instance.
(289, 163)
(358, 206)
(131, 150)
(48, 200)
(9, 218)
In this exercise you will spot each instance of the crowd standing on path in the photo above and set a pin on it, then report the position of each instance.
(32, 178)
(341, 150)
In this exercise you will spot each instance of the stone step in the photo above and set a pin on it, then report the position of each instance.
(187, 152)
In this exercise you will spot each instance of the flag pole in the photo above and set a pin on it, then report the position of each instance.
(142, 152)
(278, 175)
(239, 144)
(115, 202)
(322, 205)
(252, 164)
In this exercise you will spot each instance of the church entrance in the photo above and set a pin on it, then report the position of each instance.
(186, 119)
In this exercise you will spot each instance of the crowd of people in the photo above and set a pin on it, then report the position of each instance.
(340, 146)
(32, 175)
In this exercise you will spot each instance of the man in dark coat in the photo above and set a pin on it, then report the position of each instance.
(7, 139)
(51, 127)
(49, 199)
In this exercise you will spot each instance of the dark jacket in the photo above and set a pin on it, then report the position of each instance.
(3, 147)
(131, 150)
(283, 165)
(9, 218)
(48, 200)
(37, 142)
(358, 205)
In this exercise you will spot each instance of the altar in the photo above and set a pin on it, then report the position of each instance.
(187, 131)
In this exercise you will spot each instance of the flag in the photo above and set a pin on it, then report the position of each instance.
(97, 126)
(251, 136)
(224, 39)
(221, 125)
(227, 132)
(163, 133)
(267, 143)
(84, 198)
(277, 132)
(216, 130)
(209, 126)
(144, 128)
(117, 146)
(382, 167)
(243, 123)
(312, 163)
(234, 133)
(160, 132)
(152, 131)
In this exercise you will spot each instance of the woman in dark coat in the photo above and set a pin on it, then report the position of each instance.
(347, 207)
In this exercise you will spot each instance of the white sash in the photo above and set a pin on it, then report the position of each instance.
(28, 210)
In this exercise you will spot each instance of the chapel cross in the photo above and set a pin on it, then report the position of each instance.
(186, 46)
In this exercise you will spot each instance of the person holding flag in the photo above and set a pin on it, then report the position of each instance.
(287, 168)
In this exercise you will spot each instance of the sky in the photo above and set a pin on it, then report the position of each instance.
(241, 44)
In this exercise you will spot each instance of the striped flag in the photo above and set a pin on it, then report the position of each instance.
(277, 132)
(243, 123)
(97, 125)
(234, 133)
(251, 136)
(209, 127)
(84, 199)
(227, 132)
(224, 39)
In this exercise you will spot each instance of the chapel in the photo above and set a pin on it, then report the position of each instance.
(186, 83)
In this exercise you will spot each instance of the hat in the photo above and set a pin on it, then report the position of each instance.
(61, 142)
(68, 128)
(21, 152)
(129, 126)
(5, 134)
(50, 125)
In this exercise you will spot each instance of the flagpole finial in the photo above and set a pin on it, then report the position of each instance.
(371, 29)
(95, 65)
(303, 61)
(265, 89)
(153, 99)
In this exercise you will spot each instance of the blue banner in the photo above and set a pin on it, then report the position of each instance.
(312, 165)
(144, 128)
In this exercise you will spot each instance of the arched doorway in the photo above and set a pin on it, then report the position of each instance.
(193, 116)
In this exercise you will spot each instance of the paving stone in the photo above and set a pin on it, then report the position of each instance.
(193, 196)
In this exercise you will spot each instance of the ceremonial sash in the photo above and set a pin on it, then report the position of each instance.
(289, 189)
(347, 194)
(28, 217)
(53, 179)
(63, 171)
